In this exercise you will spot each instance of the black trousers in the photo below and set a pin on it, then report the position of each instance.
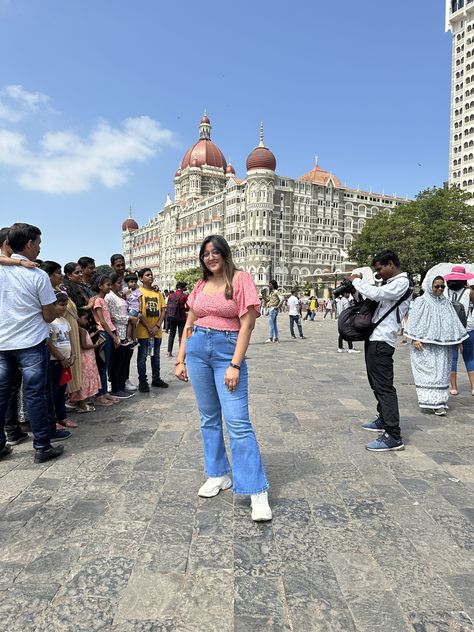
(119, 367)
(379, 364)
(340, 344)
(174, 325)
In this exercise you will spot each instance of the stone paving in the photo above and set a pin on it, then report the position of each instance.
(113, 536)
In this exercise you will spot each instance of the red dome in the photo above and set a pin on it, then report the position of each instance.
(230, 169)
(205, 119)
(261, 158)
(204, 152)
(178, 173)
(130, 225)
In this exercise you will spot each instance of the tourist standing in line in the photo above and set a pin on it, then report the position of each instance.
(149, 333)
(459, 291)
(380, 347)
(294, 307)
(273, 305)
(343, 303)
(223, 308)
(24, 319)
(434, 329)
(122, 353)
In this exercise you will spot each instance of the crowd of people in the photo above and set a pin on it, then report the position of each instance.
(76, 331)
(66, 332)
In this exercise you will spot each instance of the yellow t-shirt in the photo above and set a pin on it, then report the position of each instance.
(151, 305)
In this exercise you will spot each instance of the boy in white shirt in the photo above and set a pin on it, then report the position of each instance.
(294, 306)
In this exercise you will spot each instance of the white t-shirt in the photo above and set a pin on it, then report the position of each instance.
(23, 292)
(59, 333)
(293, 303)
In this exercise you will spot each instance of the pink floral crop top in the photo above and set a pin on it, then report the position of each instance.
(217, 312)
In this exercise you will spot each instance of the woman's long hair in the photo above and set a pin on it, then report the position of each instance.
(230, 268)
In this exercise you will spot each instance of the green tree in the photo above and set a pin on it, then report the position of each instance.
(189, 276)
(437, 226)
(104, 269)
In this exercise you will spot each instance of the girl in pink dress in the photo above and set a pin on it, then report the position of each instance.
(90, 373)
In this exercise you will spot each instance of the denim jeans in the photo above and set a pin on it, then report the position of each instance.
(297, 320)
(33, 363)
(208, 354)
(272, 323)
(467, 354)
(141, 360)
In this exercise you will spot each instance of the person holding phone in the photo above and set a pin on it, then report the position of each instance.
(223, 308)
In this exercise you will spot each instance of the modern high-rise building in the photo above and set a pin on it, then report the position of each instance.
(278, 227)
(460, 21)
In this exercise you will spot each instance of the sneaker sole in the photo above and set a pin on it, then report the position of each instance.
(373, 429)
(266, 519)
(18, 441)
(399, 447)
(215, 492)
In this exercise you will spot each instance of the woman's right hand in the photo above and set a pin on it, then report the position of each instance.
(180, 371)
(418, 346)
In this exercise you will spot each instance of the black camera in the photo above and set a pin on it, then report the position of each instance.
(346, 287)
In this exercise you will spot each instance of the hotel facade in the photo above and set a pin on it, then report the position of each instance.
(460, 21)
(278, 227)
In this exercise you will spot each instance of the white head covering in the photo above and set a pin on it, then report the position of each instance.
(432, 319)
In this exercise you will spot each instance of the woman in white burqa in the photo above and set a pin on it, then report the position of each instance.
(434, 329)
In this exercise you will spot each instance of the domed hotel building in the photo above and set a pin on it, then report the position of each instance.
(278, 227)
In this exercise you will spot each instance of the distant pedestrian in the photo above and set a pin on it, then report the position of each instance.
(294, 306)
(434, 329)
(273, 305)
(176, 313)
(328, 308)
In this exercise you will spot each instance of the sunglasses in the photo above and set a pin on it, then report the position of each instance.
(439, 287)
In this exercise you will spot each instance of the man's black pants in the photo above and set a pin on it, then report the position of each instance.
(379, 364)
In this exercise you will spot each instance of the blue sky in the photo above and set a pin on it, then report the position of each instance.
(100, 100)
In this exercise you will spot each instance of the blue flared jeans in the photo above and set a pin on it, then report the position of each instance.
(208, 354)
(272, 323)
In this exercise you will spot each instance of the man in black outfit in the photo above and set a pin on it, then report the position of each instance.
(380, 347)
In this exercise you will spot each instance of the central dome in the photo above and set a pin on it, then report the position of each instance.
(204, 152)
(261, 157)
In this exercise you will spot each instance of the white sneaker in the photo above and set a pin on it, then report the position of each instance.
(340, 350)
(261, 511)
(354, 351)
(213, 486)
(129, 386)
(269, 340)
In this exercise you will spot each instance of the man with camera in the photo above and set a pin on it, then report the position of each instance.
(380, 346)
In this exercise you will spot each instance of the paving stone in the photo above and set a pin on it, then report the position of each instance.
(113, 536)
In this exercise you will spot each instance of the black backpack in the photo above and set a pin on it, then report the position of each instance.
(458, 306)
(355, 322)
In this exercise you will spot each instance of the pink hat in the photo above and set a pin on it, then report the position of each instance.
(458, 273)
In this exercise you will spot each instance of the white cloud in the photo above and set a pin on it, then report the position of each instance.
(67, 163)
(16, 103)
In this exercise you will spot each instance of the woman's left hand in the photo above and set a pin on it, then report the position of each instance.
(231, 378)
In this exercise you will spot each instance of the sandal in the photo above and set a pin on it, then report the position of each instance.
(67, 423)
(453, 391)
(103, 402)
(88, 408)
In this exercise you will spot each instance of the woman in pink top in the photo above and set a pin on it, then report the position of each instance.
(223, 308)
